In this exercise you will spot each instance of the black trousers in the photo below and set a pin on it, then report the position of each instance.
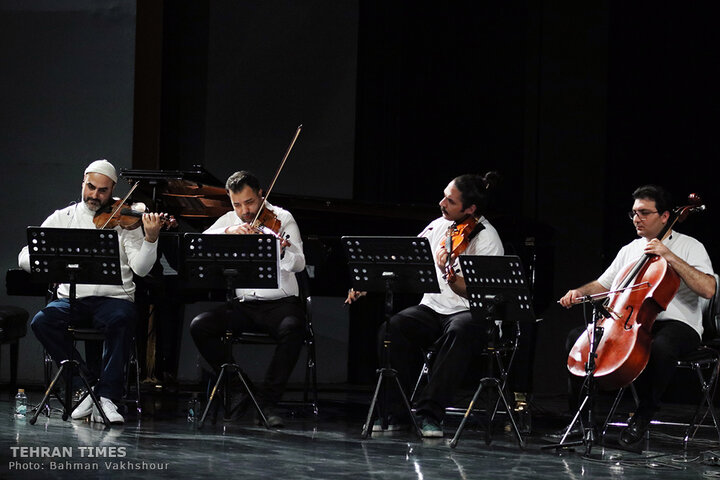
(456, 338)
(282, 319)
(672, 340)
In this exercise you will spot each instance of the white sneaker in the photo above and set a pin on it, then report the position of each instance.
(84, 409)
(110, 410)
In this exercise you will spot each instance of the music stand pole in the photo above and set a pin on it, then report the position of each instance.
(386, 372)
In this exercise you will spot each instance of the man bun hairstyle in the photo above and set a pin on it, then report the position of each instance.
(475, 189)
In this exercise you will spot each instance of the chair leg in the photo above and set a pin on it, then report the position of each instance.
(138, 404)
(611, 413)
(311, 377)
(133, 362)
(706, 386)
(424, 374)
(47, 368)
(14, 351)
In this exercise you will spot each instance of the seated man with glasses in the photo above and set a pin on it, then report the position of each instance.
(677, 331)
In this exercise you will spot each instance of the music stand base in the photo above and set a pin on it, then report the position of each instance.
(492, 382)
(383, 374)
(241, 375)
(44, 403)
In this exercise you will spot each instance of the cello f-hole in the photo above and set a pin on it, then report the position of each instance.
(631, 308)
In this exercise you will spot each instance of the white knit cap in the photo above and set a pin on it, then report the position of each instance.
(104, 167)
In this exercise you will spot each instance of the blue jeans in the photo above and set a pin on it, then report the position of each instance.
(114, 317)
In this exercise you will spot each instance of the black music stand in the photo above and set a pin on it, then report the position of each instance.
(389, 265)
(496, 288)
(230, 262)
(74, 256)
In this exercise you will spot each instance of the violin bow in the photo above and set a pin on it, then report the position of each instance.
(121, 203)
(277, 174)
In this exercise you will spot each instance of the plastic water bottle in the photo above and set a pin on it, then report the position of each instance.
(192, 408)
(523, 416)
(21, 403)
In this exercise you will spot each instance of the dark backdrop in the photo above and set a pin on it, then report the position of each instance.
(574, 103)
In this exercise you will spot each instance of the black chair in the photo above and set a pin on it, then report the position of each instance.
(500, 349)
(704, 361)
(13, 326)
(310, 396)
(499, 353)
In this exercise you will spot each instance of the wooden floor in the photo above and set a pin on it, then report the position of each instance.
(162, 443)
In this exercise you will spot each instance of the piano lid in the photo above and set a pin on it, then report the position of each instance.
(194, 193)
(197, 174)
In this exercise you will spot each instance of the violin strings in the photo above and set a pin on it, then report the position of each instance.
(121, 203)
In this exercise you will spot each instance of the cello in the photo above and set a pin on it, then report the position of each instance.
(639, 292)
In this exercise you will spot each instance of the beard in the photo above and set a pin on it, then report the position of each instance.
(93, 204)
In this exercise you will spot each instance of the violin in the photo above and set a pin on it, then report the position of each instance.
(457, 239)
(267, 219)
(121, 213)
(640, 291)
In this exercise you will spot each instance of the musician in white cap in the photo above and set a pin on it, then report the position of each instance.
(109, 308)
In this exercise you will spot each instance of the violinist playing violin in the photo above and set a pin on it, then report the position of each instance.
(442, 320)
(277, 312)
(677, 330)
(110, 308)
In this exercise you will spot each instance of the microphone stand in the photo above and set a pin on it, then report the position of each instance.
(598, 311)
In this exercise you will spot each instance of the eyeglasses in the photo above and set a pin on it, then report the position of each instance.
(640, 213)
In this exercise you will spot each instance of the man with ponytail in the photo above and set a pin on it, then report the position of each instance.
(441, 320)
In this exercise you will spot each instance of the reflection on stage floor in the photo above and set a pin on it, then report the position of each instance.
(164, 444)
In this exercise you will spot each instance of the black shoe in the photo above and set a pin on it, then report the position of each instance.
(274, 419)
(631, 435)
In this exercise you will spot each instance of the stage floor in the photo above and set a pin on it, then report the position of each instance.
(163, 444)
